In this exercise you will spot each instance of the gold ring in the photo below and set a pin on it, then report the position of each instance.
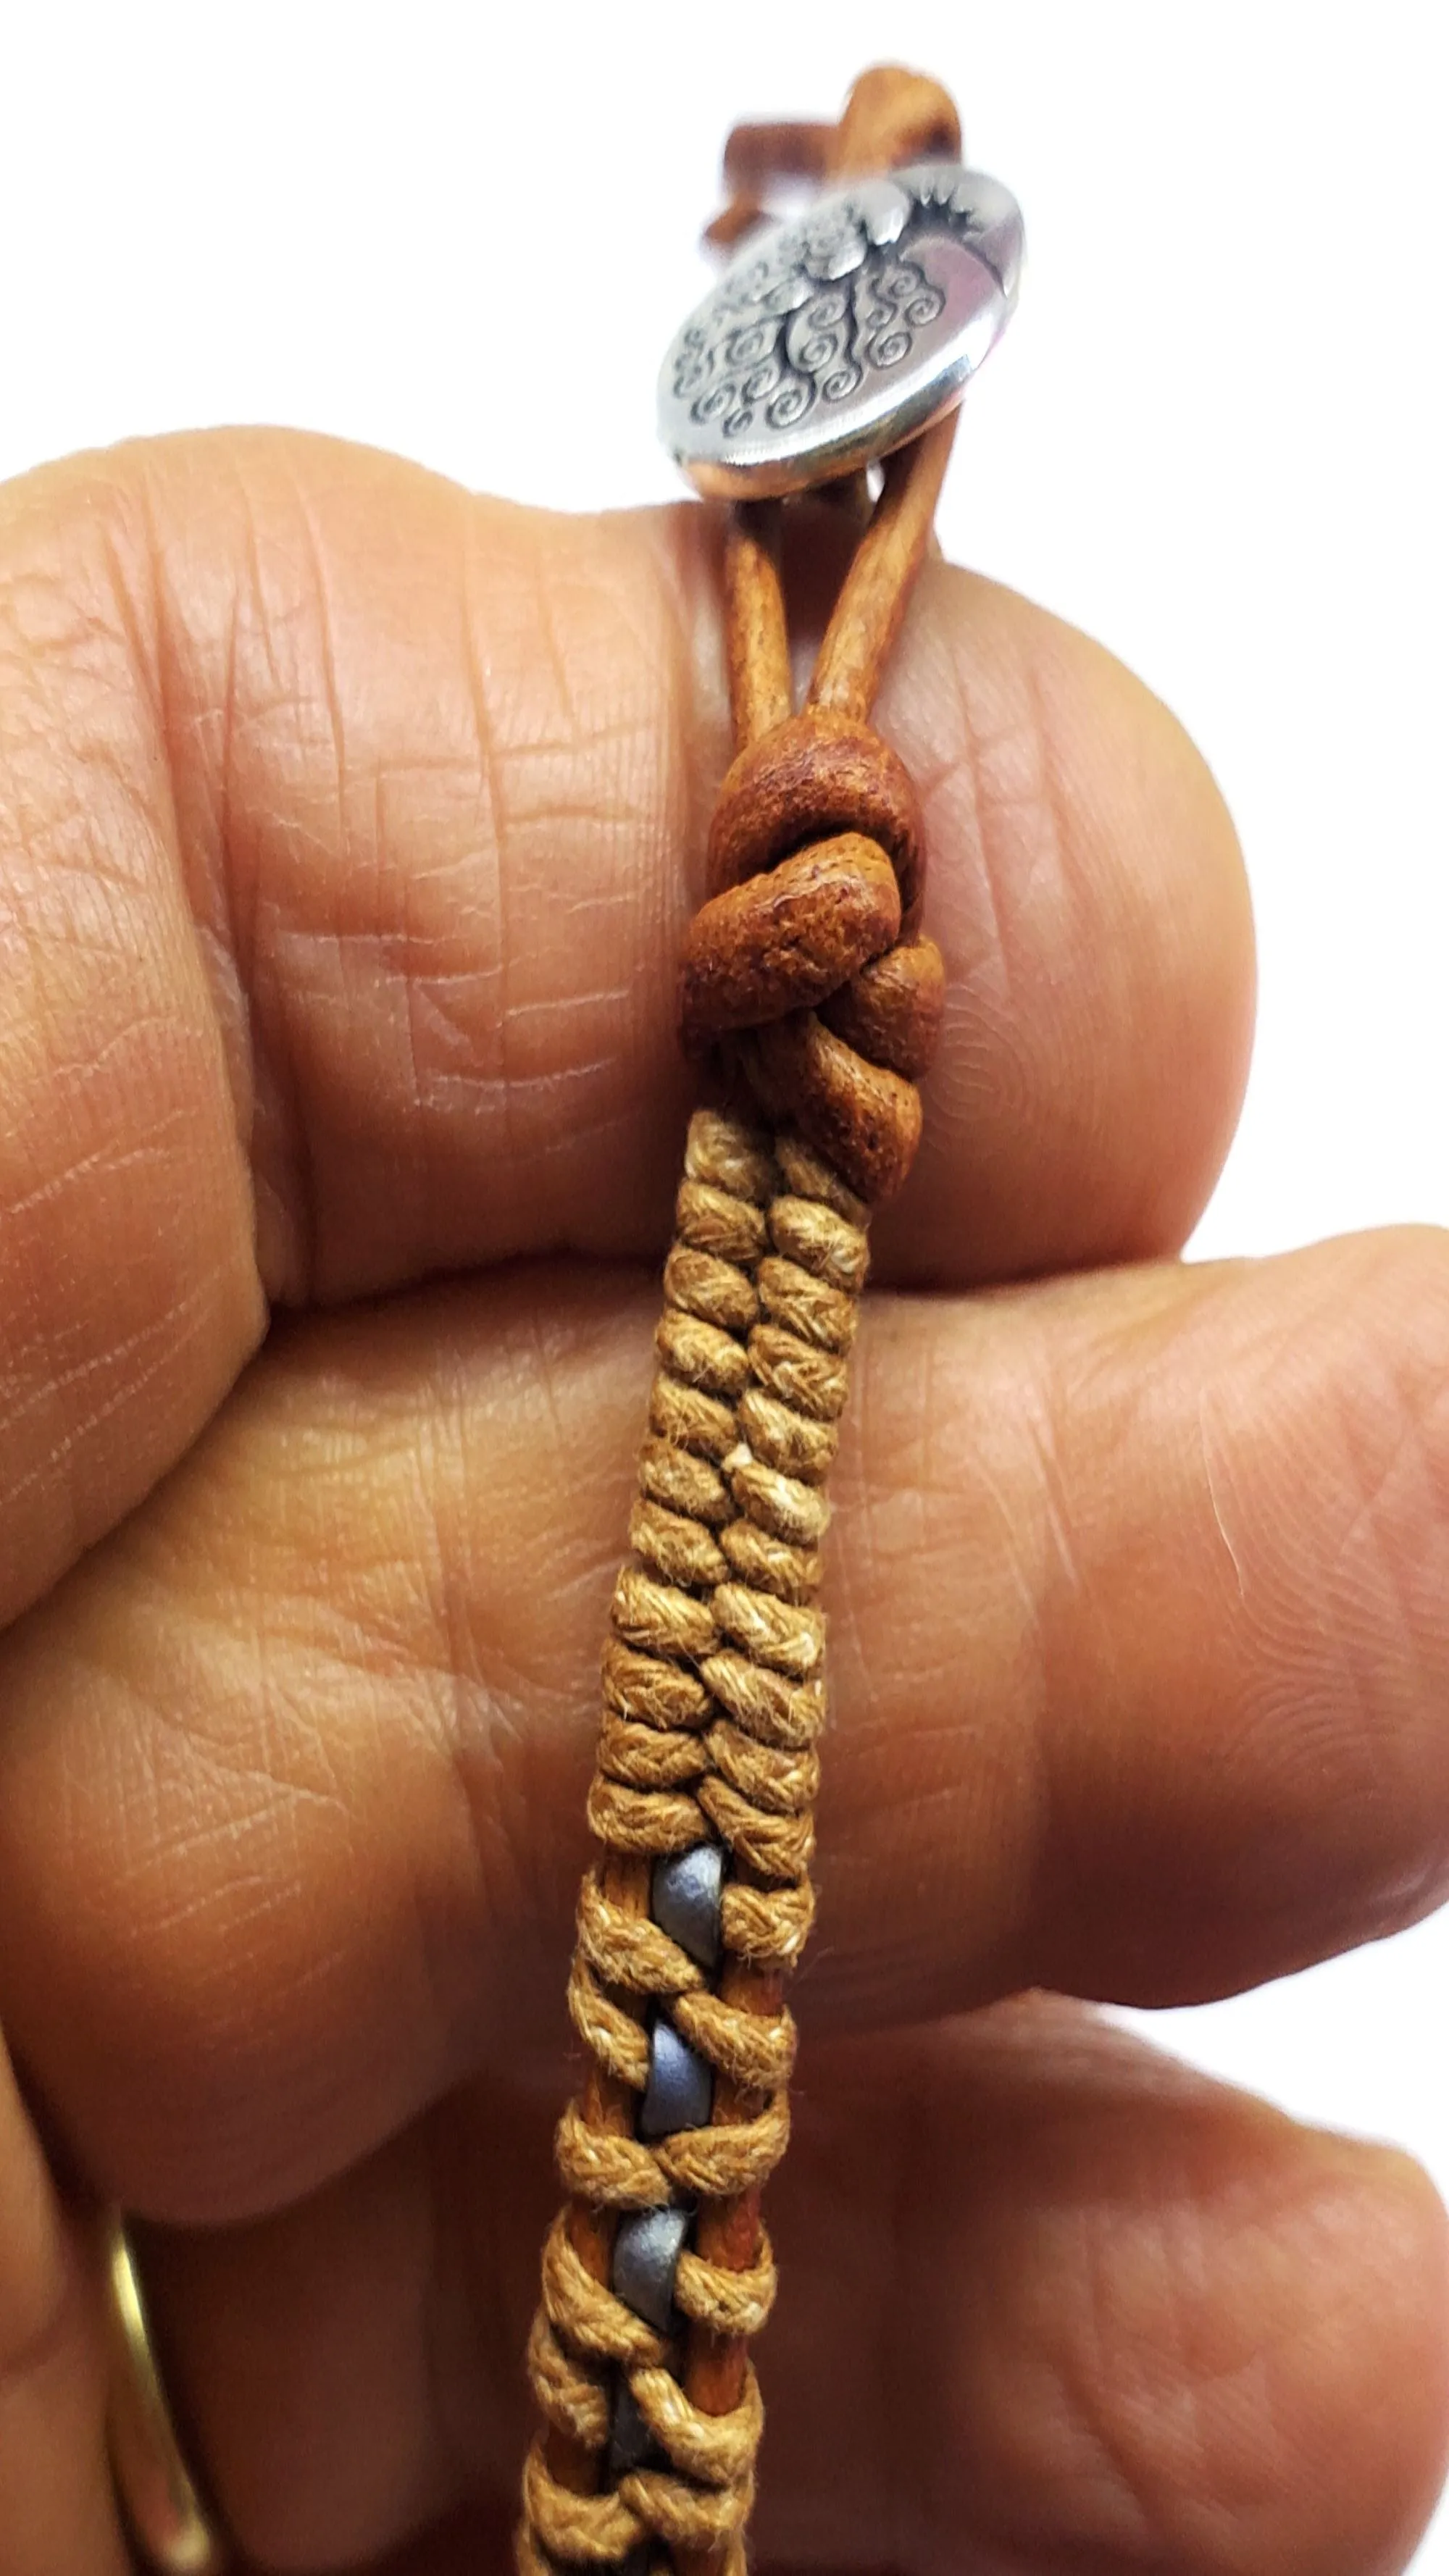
(158, 2494)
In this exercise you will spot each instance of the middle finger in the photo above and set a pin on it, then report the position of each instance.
(1140, 1642)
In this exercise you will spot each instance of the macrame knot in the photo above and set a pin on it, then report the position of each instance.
(807, 971)
(807, 956)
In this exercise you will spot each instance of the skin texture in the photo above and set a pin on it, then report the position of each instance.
(349, 828)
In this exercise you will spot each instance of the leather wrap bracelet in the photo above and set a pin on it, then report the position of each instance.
(812, 997)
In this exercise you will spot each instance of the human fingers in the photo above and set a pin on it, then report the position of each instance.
(1047, 2299)
(348, 830)
(56, 2505)
(1140, 1639)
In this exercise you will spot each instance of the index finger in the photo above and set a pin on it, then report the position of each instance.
(348, 830)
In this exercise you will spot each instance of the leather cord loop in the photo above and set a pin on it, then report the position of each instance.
(798, 920)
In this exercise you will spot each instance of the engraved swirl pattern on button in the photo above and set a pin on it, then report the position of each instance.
(806, 324)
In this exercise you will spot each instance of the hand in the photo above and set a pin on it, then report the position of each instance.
(349, 826)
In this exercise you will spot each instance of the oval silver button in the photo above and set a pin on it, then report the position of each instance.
(832, 339)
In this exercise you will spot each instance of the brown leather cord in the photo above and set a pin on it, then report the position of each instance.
(892, 116)
(814, 996)
(809, 944)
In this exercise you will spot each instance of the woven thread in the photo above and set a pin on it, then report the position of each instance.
(713, 1705)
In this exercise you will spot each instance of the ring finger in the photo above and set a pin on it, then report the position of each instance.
(56, 2506)
(1095, 2311)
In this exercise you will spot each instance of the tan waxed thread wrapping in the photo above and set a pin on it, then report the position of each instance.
(712, 1708)
(712, 1671)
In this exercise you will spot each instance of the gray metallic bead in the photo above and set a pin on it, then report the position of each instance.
(833, 338)
(647, 2247)
(680, 2091)
(684, 1900)
(630, 2447)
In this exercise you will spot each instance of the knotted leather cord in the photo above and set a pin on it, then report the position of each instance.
(808, 983)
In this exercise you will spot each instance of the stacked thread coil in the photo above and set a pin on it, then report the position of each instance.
(659, 2269)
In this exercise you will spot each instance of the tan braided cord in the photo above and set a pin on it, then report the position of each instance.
(811, 994)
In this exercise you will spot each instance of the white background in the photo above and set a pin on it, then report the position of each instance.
(1216, 436)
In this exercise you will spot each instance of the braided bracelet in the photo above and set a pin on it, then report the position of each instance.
(811, 998)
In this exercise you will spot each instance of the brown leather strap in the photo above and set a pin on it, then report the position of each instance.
(807, 978)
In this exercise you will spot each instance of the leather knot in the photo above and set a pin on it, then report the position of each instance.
(816, 774)
(807, 953)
